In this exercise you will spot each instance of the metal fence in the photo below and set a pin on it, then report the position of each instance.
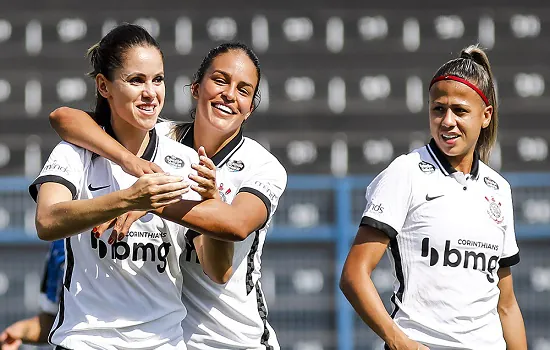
(313, 228)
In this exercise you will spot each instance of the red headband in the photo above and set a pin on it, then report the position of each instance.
(463, 81)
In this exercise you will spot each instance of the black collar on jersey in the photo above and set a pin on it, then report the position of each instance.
(443, 163)
(223, 155)
(150, 151)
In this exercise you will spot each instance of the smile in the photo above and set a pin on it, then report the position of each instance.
(223, 108)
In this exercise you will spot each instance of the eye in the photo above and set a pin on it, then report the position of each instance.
(244, 91)
(158, 80)
(135, 80)
(438, 109)
(219, 80)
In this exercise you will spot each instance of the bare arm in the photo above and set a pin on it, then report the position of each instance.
(79, 128)
(58, 216)
(216, 219)
(509, 312)
(216, 257)
(356, 284)
(33, 330)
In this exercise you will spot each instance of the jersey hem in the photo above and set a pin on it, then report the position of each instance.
(33, 188)
(387, 229)
(509, 261)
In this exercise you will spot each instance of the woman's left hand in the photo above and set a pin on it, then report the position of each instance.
(205, 178)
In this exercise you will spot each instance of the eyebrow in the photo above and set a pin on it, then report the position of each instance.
(229, 75)
(140, 74)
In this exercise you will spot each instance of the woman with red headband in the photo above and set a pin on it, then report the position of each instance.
(447, 221)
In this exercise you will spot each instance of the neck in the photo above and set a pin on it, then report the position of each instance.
(211, 139)
(462, 163)
(133, 139)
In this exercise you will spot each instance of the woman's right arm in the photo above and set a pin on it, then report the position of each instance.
(356, 284)
(78, 127)
(58, 216)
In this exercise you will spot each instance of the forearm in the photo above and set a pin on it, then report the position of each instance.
(513, 327)
(78, 128)
(216, 258)
(67, 218)
(363, 296)
(211, 217)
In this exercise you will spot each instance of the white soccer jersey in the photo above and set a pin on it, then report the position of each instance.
(126, 295)
(233, 315)
(449, 234)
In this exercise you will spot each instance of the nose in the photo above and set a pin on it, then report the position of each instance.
(149, 91)
(449, 120)
(229, 92)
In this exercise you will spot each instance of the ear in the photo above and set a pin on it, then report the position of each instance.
(487, 116)
(102, 85)
(195, 90)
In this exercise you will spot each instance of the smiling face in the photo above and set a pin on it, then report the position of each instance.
(136, 92)
(225, 93)
(457, 115)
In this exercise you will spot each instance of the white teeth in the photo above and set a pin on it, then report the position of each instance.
(449, 137)
(147, 108)
(223, 108)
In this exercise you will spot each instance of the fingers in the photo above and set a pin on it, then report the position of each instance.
(122, 225)
(99, 230)
(201, 152)
(155, 168)
(169, 195)
(204, 171)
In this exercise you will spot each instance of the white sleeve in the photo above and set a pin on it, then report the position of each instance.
(268, 183)
(66, 166)
(388, 198)
(510, 252)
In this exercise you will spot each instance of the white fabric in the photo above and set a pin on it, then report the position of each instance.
(128, 295)
(448, 236)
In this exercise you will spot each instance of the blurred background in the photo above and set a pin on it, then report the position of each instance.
(344, 92)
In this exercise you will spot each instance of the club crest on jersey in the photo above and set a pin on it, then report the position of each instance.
(495, 210)
(235, 165)
(174, 161)
(490, 183)
(426, 167)
(223, 192)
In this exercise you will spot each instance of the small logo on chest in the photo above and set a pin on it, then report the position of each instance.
(495, 210)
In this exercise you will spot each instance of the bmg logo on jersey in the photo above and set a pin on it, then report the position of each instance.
(453, 257)
(138, 251)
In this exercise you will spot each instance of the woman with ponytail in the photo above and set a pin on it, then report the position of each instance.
(446, 220)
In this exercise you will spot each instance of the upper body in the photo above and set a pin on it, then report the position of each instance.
(233, 314)
(125, 295)
(447, 219)
(144, 269)
(449, 234)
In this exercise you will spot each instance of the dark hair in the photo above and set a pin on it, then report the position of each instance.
(473, 65)
(108, 55)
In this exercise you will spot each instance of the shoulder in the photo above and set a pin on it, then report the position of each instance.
(405, 164)
(492, 178)
(164, 127)
(253, 153)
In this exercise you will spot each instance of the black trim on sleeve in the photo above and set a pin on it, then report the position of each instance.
(509, 261)
(262, 197)
(379, 225)
(33, 188)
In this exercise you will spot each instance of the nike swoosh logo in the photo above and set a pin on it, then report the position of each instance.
(96, 188)
(428, 198)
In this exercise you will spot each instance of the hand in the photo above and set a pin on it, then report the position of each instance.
(138, 167)
(11, 337)
(121, 226)
(205, 178)
(153, 191)
(405, 343)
